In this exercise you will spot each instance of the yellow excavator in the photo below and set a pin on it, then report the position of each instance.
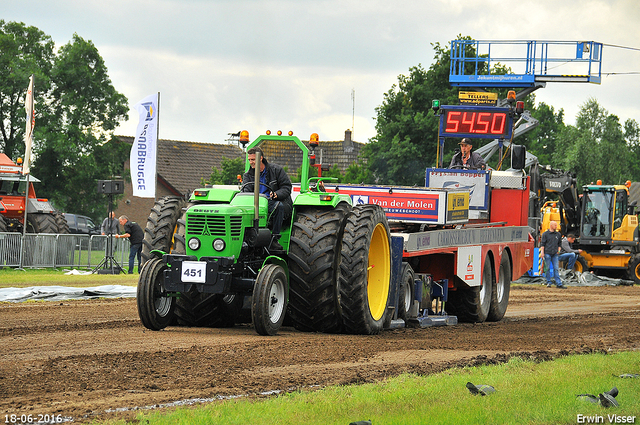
(603, 218)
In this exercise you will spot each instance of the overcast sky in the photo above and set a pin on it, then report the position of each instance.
(225, 65)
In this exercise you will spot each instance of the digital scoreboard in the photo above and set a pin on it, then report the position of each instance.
(487, 122)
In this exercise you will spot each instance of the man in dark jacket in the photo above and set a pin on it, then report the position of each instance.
(550, 248)
(134, 232)
(466, 159)
(278, 192)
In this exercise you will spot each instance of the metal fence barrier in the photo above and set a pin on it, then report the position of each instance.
(43, 250)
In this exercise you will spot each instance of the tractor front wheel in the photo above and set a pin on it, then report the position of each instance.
(269, 300)
(155, 308)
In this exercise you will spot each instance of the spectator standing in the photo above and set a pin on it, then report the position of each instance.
(110, 221)
(134, 233)
(550, 248)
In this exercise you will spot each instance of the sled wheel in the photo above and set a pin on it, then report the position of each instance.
(155, 308)
(500, 291)
(405, 294)
(269, 300)
(472, 304)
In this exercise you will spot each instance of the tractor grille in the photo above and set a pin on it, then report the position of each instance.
(214, 225)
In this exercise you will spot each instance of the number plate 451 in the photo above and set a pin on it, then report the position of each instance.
(194, 271)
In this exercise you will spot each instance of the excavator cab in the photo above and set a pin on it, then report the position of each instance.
(605, 216)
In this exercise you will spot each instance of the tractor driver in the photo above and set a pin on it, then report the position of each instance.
(278, 192)
(467, 159)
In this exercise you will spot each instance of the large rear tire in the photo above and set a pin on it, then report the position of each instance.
(41, 223)
(61, 223)
(314, 254)
(269, 300)
(365, 270)
(472, 304)
(162, 226)
(198, 309)
(155, 308)
(500, 291)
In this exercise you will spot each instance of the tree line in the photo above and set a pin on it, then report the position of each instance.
(78, 109)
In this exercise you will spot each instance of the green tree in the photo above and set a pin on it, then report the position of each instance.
(598, 147)
(23, 51)
(228, 171)
(541, 141)
(406, 140)
(77, 109)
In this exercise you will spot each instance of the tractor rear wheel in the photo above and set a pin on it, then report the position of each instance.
(61, 223)
(472, 303)
(41, 223)
(365, 270)
(314, 255)
(500, 290)
(269, 300)
(198, 309)
(155, 308)
(162, 226)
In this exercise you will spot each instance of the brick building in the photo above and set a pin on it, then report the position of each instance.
(181, 166)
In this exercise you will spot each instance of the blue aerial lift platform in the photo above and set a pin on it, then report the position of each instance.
(532, 63)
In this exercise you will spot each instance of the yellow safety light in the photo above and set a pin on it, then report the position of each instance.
(313, 140)
(627, 184)
(599, 182)
(268, 132)
(279, 132)
(290, 133)
(19, 161)
(511, 95)
(244, 136)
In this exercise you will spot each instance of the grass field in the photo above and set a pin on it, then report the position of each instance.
(526, 393)
(13, 278)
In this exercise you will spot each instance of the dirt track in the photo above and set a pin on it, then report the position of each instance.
(82, 359)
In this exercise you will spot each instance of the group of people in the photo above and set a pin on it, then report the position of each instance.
(132, 231)
(555, 248)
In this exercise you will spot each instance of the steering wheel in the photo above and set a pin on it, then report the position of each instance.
(251, 183)
(457, 166)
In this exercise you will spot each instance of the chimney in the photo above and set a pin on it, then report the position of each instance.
(347, 144)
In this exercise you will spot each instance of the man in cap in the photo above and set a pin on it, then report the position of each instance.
(278, 192)
(467, 159)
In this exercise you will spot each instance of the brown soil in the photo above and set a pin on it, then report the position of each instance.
(85, 359)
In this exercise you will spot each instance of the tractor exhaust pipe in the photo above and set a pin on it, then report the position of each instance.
(256, 192)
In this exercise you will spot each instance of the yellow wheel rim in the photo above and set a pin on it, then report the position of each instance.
(378, 272)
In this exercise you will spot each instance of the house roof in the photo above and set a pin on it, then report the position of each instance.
(182, 165)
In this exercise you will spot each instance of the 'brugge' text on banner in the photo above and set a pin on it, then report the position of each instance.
(143, 152)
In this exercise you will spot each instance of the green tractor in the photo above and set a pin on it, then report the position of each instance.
(208, 261)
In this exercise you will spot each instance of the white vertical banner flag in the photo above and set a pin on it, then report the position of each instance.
(143, 152)
(31, 122)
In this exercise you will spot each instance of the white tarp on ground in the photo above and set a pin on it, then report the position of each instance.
(58, 293)
(571, 278)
